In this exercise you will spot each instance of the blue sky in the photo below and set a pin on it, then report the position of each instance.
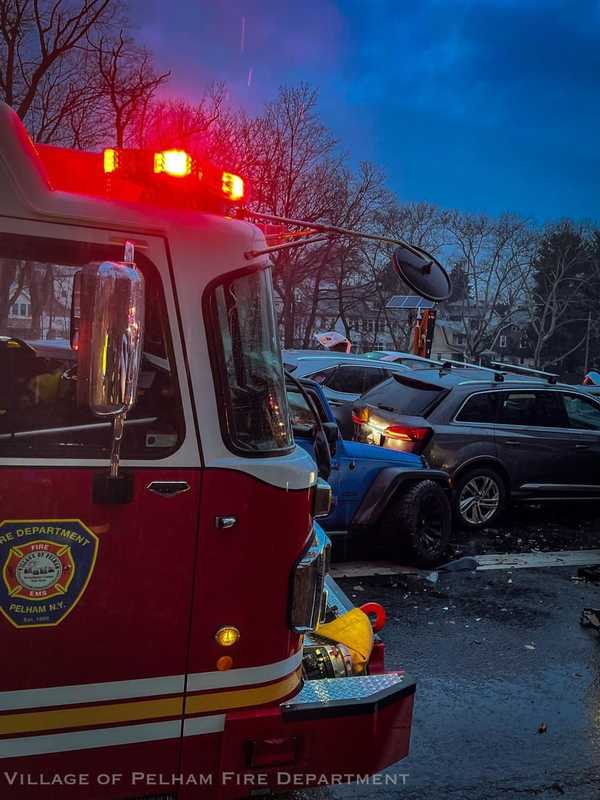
(482, 105)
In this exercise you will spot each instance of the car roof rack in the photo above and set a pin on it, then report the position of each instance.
(449, 363)
(519, 369)
(465, 364)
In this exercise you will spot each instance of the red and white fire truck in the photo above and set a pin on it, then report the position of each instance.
(160, 566)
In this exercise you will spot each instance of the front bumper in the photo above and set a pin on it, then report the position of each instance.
(336, 730)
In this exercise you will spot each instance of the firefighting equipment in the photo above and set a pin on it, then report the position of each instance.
(354, 631)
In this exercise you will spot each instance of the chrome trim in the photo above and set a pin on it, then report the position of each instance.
(225, 522)
(308, 583)
(168, 488)
(573, 487)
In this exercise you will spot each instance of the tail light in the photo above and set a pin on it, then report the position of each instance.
(360, 415)
(415, 437)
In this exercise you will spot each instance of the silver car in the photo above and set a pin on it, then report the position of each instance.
(343, 376)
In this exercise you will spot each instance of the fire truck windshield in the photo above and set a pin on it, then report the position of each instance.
(247, 360)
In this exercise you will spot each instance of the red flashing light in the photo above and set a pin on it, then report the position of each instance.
(232, 186)
(170, 178)
(176, 163)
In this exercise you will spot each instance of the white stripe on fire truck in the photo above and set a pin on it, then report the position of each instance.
(91, 693)
(145, 687)
(199, 725)
(109, 737)
(199, 681)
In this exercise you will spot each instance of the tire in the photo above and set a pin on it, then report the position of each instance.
(419, 521)
(486, 491)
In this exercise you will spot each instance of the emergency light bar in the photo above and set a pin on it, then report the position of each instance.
(143, 165)
(171, 177)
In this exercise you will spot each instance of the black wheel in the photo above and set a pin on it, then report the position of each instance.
(479, 498)
(419, 521)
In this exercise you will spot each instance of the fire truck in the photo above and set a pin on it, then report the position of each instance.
(161, 568)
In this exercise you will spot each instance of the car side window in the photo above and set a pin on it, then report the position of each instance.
(479, 408)
(517, 408)
(550, 410)
(302, 416)
(534, 409)
(355, 380)
(322, 375)
(39, 414)
(583, 414)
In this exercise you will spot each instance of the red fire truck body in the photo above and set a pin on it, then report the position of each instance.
(115, 680)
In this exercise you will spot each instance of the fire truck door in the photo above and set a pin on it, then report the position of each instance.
(94, 598)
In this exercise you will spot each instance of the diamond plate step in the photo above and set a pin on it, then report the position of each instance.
(343, 696)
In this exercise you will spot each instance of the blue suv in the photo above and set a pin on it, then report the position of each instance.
(387, 494)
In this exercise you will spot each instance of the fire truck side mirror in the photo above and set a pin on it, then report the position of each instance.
(422, 272)
(108, 318)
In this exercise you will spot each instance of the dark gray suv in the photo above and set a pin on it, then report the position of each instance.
(500, 436)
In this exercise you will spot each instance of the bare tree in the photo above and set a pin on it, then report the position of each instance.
(560, 271)
(495, 256)
(71, 72)
(208, 127)
(36, 37)
(12, 278)
(289, 157)
(127, 82)
(422, 224)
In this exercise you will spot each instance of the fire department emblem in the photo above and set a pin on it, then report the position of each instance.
(46, 566)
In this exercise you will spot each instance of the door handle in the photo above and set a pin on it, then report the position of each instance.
(225, 522)
(512, 443)
(168, 488)
(582, 446)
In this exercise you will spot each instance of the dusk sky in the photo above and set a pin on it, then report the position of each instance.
(483, 105)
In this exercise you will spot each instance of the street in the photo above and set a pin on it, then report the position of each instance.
(508, 682)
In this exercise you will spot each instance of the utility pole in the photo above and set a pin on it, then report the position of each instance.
(587, 344)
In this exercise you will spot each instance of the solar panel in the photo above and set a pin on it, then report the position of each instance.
(408, 302)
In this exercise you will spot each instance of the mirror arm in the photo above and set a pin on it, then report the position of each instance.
(117, 438)
(320, 227)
